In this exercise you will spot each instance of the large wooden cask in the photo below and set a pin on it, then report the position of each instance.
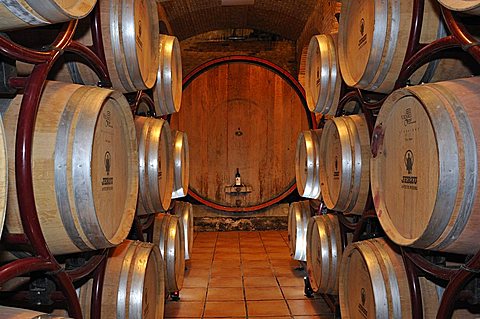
(425, 164)
(155, 164)
(32, 13)
(134, 283)
(130, 41)
(298, 216)
(167, 92)
(324, 253)
(323, 80)
(168, 236)
(241, 115)
(84, 166)
(184, 212)
(18, 313)
(344, 164)
(373, 38)
(307, 164)
(373, 282)
(181, 164)
(465, 6)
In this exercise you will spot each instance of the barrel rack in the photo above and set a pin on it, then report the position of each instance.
(41, 260)
(367, 225)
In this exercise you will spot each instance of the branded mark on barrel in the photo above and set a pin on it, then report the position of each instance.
(138, 37)
(361, 306)
(336, 173)
(363, 36)
(107, 182)
(409, 181)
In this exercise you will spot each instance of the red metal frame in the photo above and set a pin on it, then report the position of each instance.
(291, 81)
(33, 86)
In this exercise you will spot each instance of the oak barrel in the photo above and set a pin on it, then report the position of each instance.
(344, 163)
(465, 6)
(181, 164)
(133, 286)
(32, 13)
(298, 215)
(425, 163)
(307, 164)
(130, 41)
(167, 92)
(324, 253)
(168, 235)
(155, 164)
(84, 166)
(373, 282)
(18, 313)
(323, 80)
(184, 212)
(373, 38)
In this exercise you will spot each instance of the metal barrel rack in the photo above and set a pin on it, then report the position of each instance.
(417, 263)
(42, 261)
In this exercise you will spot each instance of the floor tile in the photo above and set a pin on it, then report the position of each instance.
(267, 308)
(195, 282)
(308, 307)
(175, 309)
(255, 264)
(226, 272)
(254, 256)
(196, 264)
(265, 281)
(225, 282)
(257, 272)
(263, 293)
(197, 272)
(290, 281)
(193, 294)
(294, 292)
(225, 294)
(224, 309)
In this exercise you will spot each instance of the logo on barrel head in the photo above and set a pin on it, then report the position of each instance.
(363, 296)
(409, 160)
(107, 162)
(362, 26)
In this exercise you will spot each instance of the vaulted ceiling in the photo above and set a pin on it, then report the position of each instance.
(286, 18)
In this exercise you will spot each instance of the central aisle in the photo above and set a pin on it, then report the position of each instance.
(244, 275)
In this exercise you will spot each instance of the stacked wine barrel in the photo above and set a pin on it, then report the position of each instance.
(96, 167)
(415, 164)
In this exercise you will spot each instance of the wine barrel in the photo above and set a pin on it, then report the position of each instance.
(373, 282)
(323, 80)
(133, 286)
(344, 164)
(373, 39)
(184, 212)
(18, 313)
(84, 166)
(168, 235)
(307, 164)
(155, 164)
(324, 253)
(167, 92)
(424, 168)
(181, 164)
(32, 13)
(130, 42)
(465, 6)
(298, 215)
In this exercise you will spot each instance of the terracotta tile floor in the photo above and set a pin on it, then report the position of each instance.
(244, 275)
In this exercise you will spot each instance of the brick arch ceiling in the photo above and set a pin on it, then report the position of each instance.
(286, 18)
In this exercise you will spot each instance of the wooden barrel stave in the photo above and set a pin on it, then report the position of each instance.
(298, 215)
(323, 80)
(167, 92)
(344, 164)
(307, 164)
(18, 313)
(181, 163)
(324, 252)
(168, 235)
(32, 13)
(438, 211)
(155, 164)
(70, 132)
(184, 212)
(134, 283)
